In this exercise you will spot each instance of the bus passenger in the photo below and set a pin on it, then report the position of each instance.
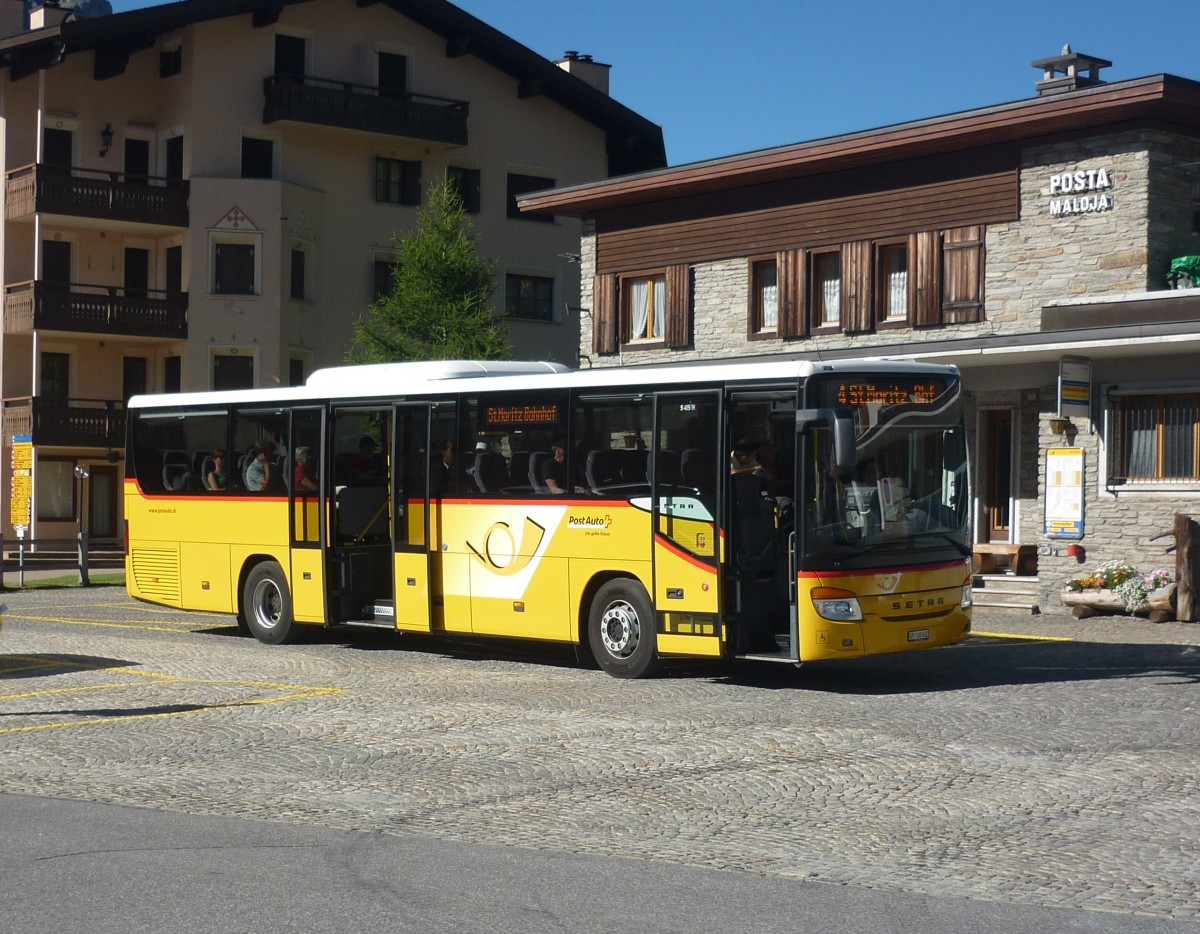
(364, 464)
(303, 478)
(218, 477)
(554, 471)
(261, 475)
(442, 477)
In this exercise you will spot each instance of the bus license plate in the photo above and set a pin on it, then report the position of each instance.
(918, 635)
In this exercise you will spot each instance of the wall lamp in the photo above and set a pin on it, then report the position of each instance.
(106, 138)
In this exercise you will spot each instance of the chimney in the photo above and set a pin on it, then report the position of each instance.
(1070, 71)
(49, 13)
(582, 67)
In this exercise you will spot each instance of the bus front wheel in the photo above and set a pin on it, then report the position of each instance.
(267, 604)
(621, 630)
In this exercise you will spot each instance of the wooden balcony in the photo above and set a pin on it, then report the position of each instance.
(92, 423)
(359, 107)
(51, 189)
(94, 309)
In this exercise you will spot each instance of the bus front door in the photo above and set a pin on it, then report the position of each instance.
(684, 476)
(410, 456)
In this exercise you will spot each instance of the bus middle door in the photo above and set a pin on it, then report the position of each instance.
(684, 477)
(410, 456)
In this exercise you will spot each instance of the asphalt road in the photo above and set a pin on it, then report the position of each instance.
(158, 771)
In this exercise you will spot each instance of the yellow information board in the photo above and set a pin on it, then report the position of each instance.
(21, 494)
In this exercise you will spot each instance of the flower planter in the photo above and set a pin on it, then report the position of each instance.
(1109, 601)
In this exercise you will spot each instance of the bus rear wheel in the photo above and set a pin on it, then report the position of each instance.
(621, 630)
(267, 604)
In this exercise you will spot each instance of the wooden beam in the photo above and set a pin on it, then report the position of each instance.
(110, 61)
(529, 87)
(458, 46)
(266, 16)
(26, 63)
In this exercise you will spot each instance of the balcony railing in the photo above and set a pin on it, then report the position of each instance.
(94, 423)
(359, 107)
(52, 189)
(94, 309)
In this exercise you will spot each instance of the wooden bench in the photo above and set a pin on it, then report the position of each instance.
(994, 557)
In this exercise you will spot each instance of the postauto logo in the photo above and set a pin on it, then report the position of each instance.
(589, 522)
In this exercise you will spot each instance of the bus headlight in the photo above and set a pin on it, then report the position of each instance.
(967, 599)
(837, 605)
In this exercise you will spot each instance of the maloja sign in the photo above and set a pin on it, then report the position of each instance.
(1080, 191)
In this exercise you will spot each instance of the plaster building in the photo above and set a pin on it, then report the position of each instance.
(204, 195)
(1020, 241)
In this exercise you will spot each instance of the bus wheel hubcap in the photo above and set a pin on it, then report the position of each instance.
(620, 629)
(268, 604)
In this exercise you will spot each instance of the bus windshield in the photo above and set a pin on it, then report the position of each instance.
(904, 499)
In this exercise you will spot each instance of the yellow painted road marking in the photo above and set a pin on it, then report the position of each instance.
(1016, 635)
(294, 692)
(155, 626)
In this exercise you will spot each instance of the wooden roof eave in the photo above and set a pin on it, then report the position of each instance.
(1160, 96)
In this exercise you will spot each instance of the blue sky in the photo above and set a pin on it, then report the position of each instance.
(724, 78)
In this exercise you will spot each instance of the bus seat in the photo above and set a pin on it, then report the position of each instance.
(206, 467)
(176, 465)
(665, 465)
(536, 459)
(632, 464)
(489, 471)
(362, 509)
(696, 467)
(601, 468)
(518, 468)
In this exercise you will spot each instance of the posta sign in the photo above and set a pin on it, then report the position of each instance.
(1080, 191)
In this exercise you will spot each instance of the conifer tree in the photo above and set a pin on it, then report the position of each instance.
(439, 306)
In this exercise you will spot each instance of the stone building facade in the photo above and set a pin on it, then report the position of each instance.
(1080, 199)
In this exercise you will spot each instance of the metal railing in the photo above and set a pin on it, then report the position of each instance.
(361, 107)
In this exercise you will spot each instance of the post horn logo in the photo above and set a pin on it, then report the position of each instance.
(501, 554)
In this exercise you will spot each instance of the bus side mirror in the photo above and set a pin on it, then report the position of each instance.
(845, 452)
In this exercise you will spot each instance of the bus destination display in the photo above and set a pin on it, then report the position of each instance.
(883, 391)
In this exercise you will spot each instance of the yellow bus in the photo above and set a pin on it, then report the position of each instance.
(788, 511)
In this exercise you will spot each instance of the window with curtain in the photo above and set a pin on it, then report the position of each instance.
(827, 289)
(1154, 438)
(765, 297)
(644, 304)
(892, 290)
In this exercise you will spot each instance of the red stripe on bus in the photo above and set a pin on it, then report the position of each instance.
(887, 569)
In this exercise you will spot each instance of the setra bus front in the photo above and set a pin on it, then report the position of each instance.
(881, 550)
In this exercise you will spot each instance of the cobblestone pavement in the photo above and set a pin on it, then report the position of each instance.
(1056, 763)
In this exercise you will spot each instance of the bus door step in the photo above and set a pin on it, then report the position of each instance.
(379, 613)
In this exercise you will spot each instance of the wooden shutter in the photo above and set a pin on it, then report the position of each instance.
(962, 275)
(793, 315)
(604, 314)
(857, 314)
(925, 278)
(679, 306)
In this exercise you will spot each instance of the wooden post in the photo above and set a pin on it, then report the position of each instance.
(1186, 555)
